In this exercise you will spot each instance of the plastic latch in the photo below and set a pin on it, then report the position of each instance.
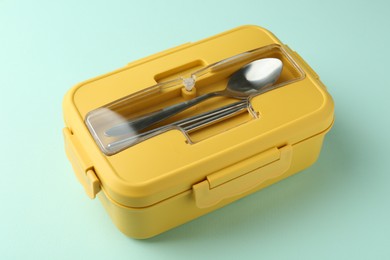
(242, 176)
(93, 184)
(81, 164)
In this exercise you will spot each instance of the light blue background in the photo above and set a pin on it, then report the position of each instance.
(337, 209)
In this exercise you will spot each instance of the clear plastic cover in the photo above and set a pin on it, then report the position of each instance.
(200, 103)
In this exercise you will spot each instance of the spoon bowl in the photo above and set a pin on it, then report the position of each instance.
(255, 77)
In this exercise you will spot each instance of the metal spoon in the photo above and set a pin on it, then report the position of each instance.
(254, 78)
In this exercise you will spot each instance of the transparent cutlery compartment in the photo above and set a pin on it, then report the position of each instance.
(200, 103)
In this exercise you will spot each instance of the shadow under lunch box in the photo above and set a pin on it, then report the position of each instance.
(153, 171)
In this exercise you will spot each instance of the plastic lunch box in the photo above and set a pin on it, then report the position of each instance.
(156, 177)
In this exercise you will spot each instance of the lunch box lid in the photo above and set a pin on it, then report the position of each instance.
(166, 165)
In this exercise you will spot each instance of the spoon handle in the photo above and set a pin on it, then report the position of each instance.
(188, 124)
(140, 123)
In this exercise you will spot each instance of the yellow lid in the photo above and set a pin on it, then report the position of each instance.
(167, 164)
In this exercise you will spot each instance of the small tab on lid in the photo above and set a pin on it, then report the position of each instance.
(189, 83)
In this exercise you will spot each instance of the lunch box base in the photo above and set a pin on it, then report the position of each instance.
(147, 222)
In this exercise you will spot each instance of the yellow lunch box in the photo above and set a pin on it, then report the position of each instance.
(161, 141)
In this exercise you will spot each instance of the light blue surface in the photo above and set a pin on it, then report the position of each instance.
(337, 209)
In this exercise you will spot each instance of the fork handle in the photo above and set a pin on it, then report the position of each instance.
(138, 124)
